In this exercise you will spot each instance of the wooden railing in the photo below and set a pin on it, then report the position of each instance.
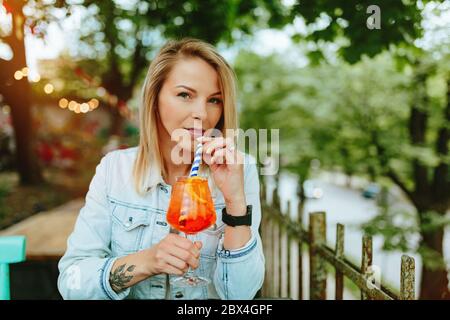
(279, 231)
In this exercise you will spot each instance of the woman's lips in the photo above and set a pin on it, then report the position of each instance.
(195, 133)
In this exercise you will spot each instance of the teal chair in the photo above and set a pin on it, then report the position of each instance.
(12, 250)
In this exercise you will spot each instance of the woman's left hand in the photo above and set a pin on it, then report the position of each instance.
(227, 168)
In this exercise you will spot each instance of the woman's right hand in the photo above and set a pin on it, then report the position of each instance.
(173, 255)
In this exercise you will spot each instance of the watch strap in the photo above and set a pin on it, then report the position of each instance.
(233, 221)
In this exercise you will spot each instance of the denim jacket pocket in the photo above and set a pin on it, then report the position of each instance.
(127, 228)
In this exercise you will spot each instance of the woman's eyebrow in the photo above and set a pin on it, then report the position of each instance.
(193, 90)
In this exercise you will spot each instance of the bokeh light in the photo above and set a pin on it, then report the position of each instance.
(84, 107)
(18, 75)
(63, 103)
(25, 71)
(72, 105)
(48, 88)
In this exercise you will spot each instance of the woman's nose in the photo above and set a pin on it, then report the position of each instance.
(199, 111)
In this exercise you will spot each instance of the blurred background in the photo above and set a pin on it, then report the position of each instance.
(361, 95)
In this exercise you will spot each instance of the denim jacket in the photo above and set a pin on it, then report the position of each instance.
(115, 221)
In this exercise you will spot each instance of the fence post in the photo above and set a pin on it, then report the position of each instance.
(266, 235)
(339, 254)
(300, 253)
(407, 279)
(276, 245)
(366, 261)
(280, 259)
(263, 233)
(317, 268)
(273, 258)
(288, 212)
(268, 257)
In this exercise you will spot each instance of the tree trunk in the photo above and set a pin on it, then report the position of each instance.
(18, 96)
(117, 122)
(27, 166)
(434, 282)
(113, 83)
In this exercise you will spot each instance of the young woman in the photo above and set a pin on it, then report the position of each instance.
(122, 246)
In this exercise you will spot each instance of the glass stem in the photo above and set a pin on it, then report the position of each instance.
(189, 273)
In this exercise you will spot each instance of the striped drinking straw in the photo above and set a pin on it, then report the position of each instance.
(197, 160)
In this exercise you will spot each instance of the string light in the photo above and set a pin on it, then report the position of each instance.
(72, 105)
(111, 99)
(25, 71)
(76, 107)
(84, 107)
(63, 103)
(48, 88)
(93, 104)
(18, 75)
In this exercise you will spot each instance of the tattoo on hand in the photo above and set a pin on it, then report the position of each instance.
(118, 279)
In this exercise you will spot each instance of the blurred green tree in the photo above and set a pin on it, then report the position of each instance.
(346, 24)
(410, 146)
(121, 37)
(370, 119)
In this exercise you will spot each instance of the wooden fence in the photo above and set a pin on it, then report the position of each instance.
(278, 232)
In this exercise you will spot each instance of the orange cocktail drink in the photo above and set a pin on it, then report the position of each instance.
(191, 207)
(191, 210)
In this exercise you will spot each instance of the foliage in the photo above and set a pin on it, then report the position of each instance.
(356, 118)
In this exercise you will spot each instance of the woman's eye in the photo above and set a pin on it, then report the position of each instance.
(216, 100)
(184, 95)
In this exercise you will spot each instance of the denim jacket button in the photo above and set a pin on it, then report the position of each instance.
(179, 294)
(128, 223)
(163, 188)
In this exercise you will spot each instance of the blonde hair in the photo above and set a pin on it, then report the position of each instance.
(149, 156)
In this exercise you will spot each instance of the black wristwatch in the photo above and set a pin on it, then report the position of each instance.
(234, 221)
